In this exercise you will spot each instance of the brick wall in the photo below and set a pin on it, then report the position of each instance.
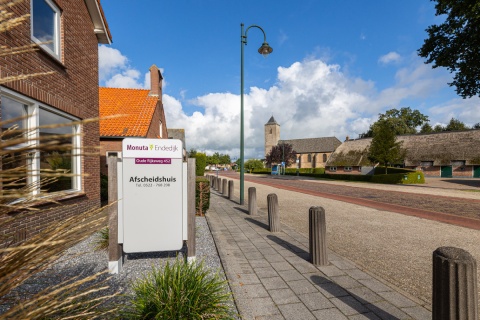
(73, 88)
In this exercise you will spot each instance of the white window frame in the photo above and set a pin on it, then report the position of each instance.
(57, 52)
(347, 169)
(161, 129)
(332, 169)
(32, 122)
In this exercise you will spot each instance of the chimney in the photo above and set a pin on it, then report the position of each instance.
(347, 138)
(155, 82)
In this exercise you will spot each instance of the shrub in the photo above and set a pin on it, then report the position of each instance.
(181, 290)
(200, 164)
(202, 195)
(103, 188)
(101, 240)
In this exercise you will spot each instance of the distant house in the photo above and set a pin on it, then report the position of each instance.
(180, 135)
(442, 154)
(311, 152)
(137, 113)
(67, 34)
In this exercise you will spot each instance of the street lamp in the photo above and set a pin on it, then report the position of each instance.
(264, 50)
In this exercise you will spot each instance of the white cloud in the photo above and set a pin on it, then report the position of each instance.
(311, 98)
(391, 57)
(109, 61)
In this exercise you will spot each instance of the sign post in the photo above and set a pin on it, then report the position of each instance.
(152, 195)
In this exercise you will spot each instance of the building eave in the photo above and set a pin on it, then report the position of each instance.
(99, 22)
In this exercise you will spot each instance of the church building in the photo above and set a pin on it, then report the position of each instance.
(311, 152)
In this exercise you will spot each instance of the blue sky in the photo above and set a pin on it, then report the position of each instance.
(335, 65)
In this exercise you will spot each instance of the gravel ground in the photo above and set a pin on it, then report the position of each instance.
(82, 261)
(395, 247)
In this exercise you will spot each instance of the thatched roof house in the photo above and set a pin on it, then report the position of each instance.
(452, 148)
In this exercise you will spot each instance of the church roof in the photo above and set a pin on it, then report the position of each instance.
(313, 145)
(271, 121)
(441, 148)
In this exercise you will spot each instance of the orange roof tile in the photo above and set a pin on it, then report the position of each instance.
(136, 106)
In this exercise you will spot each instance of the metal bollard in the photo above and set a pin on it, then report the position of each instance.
(230, 190)
(273, 215)
(252, 201)
(224, 186)
(317, 236)
(454, 289)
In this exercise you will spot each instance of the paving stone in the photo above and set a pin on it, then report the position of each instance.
(302, 266)
(302, 286)
(290, 275)
(282, 266)
(315, 301)
(262, 307)
(274, 283)
(266, 272)
(296, 311)
(358, 274)
(349, 305)
(342, 264)
(397, 299)
(364, 316)
(274, 258)
(331, 290)
(245, 278)
(386, 310)
(366, 294)
(253, 255)
(418, 313)
(270, 317)
(260, 263)
(283, 296)
(255, 291)
(331, 270)
(346, 282)
(375, 285)
(330, 314)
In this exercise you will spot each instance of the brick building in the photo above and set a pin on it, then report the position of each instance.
(442, 154)
(138, 114)
(67, 34)
(311, 152)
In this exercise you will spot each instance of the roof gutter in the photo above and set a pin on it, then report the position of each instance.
(99, 22)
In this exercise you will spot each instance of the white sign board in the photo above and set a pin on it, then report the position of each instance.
(152, 195)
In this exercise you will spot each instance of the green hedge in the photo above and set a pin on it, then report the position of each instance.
(392, 170)
(200, 164)
(202, 195)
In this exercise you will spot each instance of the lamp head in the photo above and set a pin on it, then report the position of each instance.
(265, 49)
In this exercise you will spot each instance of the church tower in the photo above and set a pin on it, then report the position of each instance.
(272, 134)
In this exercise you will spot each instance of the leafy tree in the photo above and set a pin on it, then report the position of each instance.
(403, 121)
(279, 153)
(426, 128)
(253, 164)
(200, 163)
(455, 44)
(476, 126)
(224, 159)
(384, 147)
(192, 153)
(438, 128)
(455, 125)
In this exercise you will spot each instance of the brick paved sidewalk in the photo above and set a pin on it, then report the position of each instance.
(271, 277)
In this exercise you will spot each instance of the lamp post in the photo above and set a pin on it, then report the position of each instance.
(264, 50)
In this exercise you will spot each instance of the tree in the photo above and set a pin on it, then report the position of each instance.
(253, 164)
(225, 159)
(384, 147)
(280, 153)
(476, 126)
(438, 128)
(403, 121)
(455, 44)
(192, 153)
(455, 125)
(426, 128)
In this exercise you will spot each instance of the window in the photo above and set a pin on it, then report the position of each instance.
(332, 169)
(31, 117)
(324, 157)
(347, 169)
(45, 26)
(309, 158)
(161, 129)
